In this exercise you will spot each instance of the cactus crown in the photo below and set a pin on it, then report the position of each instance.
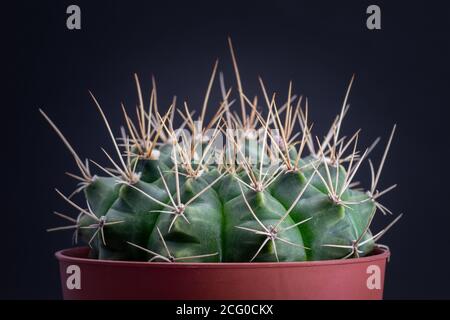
(238, 187)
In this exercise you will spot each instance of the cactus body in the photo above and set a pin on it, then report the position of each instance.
(213, 220)
(168, 200)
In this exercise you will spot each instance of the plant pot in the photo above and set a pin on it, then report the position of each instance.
(359, 278)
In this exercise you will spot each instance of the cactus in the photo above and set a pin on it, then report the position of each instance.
(173, 196)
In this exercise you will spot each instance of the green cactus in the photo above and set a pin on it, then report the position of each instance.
(259, 199)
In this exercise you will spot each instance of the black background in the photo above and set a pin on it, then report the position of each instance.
(401, 72)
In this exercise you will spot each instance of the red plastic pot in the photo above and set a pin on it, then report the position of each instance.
(83, 278)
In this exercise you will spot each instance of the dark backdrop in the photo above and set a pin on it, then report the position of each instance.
(401, 77)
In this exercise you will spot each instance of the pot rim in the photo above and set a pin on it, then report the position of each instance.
(71, 255)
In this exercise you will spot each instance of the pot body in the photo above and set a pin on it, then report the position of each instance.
(83, 278)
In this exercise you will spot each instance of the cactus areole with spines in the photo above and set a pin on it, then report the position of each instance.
(249, 185)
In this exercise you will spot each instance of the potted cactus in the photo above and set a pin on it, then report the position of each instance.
(245, 205)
